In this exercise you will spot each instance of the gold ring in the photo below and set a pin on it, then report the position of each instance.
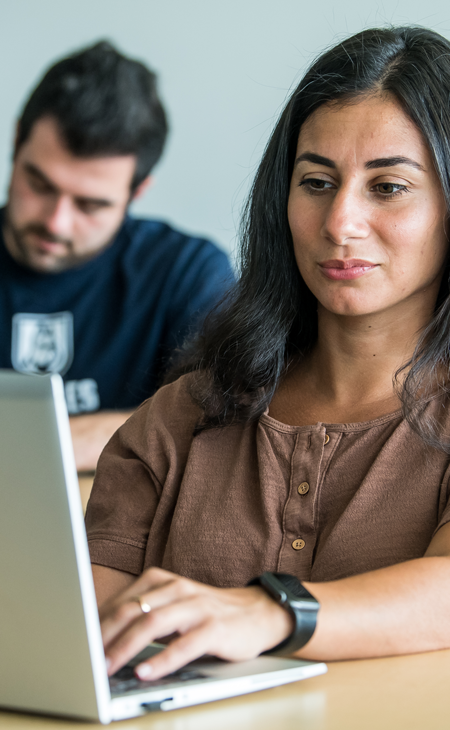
(145, 607)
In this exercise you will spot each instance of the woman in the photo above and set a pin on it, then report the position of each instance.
(309, 432)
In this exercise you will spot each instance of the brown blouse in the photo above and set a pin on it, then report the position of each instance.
(321, 502)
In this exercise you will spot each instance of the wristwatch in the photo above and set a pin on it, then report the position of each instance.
(292, 595)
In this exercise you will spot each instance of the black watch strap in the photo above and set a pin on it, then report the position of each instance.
(290, 593)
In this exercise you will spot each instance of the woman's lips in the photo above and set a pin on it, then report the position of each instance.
(340, 270)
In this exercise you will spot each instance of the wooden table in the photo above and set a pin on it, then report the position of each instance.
(401, 693)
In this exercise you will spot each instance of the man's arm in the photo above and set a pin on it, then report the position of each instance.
(90, 434)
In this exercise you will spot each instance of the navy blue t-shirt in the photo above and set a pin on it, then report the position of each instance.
(109, 325)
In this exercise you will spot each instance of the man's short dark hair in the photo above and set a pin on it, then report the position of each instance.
(105, 104)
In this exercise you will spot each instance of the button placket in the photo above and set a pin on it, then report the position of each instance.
(330, 444)
(299, 534)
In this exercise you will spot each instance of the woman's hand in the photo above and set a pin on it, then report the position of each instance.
(230, 623)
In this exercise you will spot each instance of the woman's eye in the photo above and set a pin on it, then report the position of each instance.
(315, 184)
(389, 190)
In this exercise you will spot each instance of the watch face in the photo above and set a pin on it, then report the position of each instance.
(292, 585)
(287, 591)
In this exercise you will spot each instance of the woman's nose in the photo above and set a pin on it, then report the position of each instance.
(346, 218)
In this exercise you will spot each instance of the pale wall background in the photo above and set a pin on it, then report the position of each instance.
(225, 67)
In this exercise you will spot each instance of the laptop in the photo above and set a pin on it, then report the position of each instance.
(52, 658)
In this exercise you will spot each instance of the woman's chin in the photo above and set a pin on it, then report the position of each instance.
(352, 307)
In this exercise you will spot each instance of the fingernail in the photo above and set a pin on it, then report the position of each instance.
(143, 671)
(108, 663)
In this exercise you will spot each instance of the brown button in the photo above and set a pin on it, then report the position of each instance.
(327, 438)
(298, 544)
(303, 488)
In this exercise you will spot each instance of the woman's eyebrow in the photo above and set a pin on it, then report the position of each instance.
(391, 162)
(371, 165)
(317, 159)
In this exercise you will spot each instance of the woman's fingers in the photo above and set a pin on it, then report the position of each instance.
(175, 617)
(158, 589)
(149, 580)
(232, 624)
(180, 651)
(118, 619)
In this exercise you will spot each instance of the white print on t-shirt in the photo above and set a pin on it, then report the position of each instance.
(42, 343)
(82, 396)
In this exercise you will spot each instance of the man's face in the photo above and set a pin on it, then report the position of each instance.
(63, 210)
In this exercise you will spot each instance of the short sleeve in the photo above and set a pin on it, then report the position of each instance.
(138, 477)
(444, 501)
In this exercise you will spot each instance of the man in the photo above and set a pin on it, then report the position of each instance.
(86, 290)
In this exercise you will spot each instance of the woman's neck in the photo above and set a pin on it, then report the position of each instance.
(348, 375)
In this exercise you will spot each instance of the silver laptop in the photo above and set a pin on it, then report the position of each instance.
(51, 651)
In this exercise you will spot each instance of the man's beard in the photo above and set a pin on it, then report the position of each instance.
(27, 256)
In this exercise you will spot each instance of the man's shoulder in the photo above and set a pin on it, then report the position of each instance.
(157, 239)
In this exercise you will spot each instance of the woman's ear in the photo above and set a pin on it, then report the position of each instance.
(142, 187)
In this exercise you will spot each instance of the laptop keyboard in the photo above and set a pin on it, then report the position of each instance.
(125, 680)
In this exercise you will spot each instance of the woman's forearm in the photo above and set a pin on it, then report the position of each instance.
(402, 609)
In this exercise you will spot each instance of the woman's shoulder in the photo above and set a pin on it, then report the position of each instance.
(174, 394)
(157, 438)
(171, 410)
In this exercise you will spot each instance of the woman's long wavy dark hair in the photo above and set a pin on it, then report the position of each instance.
(271, 317)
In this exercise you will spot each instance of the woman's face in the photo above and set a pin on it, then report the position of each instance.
(366, 209)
